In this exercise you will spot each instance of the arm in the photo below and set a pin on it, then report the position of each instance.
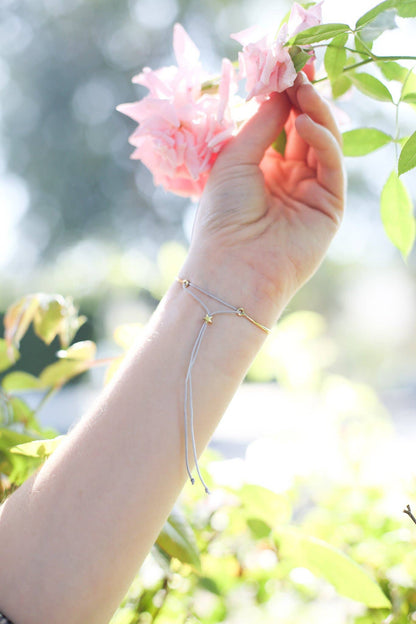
(73, 536)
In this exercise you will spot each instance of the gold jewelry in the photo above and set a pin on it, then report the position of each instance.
(239, 311)
(207, 321)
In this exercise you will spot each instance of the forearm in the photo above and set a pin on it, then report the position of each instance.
(72, 538)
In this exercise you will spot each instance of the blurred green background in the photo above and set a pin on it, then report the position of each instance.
(79, 218)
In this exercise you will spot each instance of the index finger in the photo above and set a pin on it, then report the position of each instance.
(318, 109)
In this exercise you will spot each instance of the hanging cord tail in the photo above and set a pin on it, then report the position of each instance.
(189, 402)
(188, 399)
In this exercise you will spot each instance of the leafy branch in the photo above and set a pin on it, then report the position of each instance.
(343, 62)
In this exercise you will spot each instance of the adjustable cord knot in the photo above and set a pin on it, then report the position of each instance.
(207, 320)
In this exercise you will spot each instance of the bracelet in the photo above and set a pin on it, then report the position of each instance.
(188, 401)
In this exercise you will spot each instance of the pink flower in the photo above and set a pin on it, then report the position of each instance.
(265, 62)
(181, 130)
(301, 19)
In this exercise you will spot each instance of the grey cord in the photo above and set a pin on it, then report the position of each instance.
(188, 401)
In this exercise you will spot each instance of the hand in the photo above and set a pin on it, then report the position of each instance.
(270, 216)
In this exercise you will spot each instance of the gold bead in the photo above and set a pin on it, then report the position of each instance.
(240, 312)
(186, 283)
(208, 319)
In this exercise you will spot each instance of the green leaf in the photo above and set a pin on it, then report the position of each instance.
(409, 85)
(72, 323)
(8, 355)
(410, 98)
(19, 380)
(341, 85)
(48, 317)
(363, 49)
(299, 57)
(402, 141)
(335, 57)
(178, 540)
(320, 33)
(59, 373)
(258, 528)
(393, 70)
(16, 467)
(162, 559)
(280, 144)
(382, 22)
(57, 316)
(263, 504)
(397, 214)
(83, 350)
(18, 318)
(22, 413)
(362, 141)
(209, 584)
(407, 160)
(406, 8)
(323, 560)
(10, 438)
(51, 315)
(371, 15)
(124, 615)
(371, 86)
(38, 448)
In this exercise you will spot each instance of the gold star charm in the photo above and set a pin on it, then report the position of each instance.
(208, 319)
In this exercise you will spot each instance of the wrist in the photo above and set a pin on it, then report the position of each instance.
(236, 281)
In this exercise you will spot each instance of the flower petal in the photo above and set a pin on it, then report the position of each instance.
(186, 52)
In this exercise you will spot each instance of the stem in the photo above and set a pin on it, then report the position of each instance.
(346, 69)
(366, 49)
(165, 588)
(330, 45)
(54, 389)
(396, 137)
(408, 511)
(364, 62)
(394, 58)
(405, 81)
(373, 59)
(46, 397)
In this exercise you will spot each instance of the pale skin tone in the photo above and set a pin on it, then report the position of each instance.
(74, 535)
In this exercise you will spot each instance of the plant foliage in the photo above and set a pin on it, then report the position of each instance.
(347, 51)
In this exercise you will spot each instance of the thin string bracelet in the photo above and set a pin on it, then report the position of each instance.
(188, 401)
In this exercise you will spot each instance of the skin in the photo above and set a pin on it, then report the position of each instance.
(74, 535)
(277, 215)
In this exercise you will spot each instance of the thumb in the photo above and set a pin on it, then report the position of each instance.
(259, 132)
